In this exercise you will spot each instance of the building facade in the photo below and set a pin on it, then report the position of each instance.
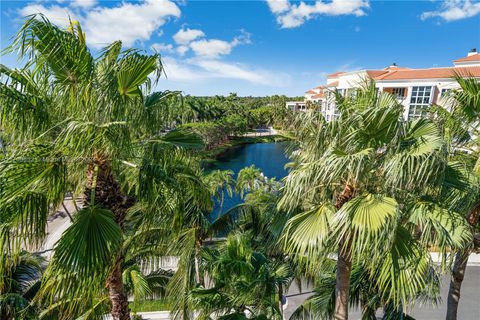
(415, 89)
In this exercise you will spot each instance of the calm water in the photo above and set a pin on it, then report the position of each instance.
(270, 158)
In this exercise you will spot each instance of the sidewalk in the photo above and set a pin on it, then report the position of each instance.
(473, 260)
(262, 133)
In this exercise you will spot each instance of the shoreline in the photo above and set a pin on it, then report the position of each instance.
(209, 157)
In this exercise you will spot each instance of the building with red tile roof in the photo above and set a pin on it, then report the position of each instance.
(415, 89)
(472, 57)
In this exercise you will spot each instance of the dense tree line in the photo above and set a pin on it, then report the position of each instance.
(216, 119)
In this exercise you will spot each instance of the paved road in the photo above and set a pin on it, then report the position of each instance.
(469, 308)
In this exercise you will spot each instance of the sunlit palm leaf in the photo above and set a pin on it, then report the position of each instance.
(442, 228)
(364, 221)
(134, 71)
(89, 244)
(306, 234)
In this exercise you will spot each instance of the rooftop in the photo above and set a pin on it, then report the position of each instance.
(432, 73)
(318, 96)
(464, 67)
(469, 58)
(335, 75)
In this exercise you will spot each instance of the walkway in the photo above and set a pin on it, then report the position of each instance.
(262, 133)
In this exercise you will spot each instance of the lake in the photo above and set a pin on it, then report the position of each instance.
(270, 158)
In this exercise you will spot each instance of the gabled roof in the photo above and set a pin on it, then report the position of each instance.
(335, 75)
(318, 96)
(311, 92)
(376, 73)
(333, 84)
(433, 73)
(473, 57)
(394, 67)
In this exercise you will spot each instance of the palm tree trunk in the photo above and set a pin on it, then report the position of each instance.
(458, 273)
(459, 268)
(344, 263)
(116, 293)
(280, 299)
(102, 189)
(344, 268)
(198, 276)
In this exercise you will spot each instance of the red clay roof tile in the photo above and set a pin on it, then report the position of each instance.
(433, 73)
(473, 57)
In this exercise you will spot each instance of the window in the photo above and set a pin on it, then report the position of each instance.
(351, 93)
(444, 92)
(399, 92)
(420, 100)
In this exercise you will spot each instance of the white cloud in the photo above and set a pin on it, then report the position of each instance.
(294, 15)
(200, 70)
(162, 47)
(185, 36)
(83, 3)
(127, 22)
(452, 10)
(278, 6)
(211, 48)
(56, 14)
(214, 47)
(182, 50)
(236, 71)
(181, 71)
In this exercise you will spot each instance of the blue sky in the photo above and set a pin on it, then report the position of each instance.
(267, 47)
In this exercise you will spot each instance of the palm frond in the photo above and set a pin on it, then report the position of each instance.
(420, 160)
(59, 50)
(88, 246)
(363, 222)
(307, 234)
(442, 228)
(133, 72)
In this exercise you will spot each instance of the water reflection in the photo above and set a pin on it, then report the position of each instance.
(270, 158)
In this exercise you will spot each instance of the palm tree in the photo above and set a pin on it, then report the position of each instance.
(460, 117)
(361, 186)
(247, 179)
(21, 281)
(85, 124)
(364, 294)
(220, 182)
(190, 241)
(259, 217)
(245, 283)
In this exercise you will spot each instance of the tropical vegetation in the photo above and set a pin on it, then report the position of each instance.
(368, 196)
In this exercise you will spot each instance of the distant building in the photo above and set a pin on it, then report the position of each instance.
(415, 89)
(296, 105)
